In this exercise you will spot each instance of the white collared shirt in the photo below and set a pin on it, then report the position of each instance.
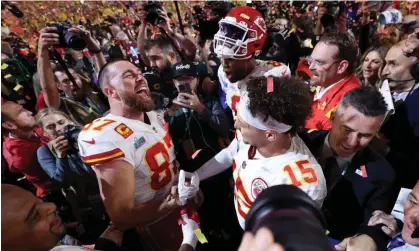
(406, 247)
(401, 96)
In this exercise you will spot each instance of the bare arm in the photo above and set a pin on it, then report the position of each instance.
(142, 32)
(51, 95)
(117, 187)
(91, 44)
(318, 29)
(185, 43)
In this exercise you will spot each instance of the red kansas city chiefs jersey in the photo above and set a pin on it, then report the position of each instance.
(322, 109)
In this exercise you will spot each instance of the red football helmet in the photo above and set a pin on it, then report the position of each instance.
(242, 33)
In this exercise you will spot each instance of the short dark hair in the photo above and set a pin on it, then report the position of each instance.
(103, 75)
(346, 46)
(59, 68)
(164, 43)
(366, 99)
(289, 102)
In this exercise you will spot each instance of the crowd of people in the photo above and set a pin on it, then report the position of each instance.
(148, 132)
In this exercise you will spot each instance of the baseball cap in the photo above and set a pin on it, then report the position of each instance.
(304, 67)
(184, 68)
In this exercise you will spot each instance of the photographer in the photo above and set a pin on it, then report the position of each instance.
(327, 24)
(163, 21)
(80, 103)
(60, 159)
(195, 121)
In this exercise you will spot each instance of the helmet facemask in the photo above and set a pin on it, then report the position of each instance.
(232, 39)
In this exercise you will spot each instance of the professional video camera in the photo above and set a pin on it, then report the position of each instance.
(334, 10)
(153, 12)
(68, 39)
(295, 220)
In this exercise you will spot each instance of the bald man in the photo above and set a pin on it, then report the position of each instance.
(397, 72)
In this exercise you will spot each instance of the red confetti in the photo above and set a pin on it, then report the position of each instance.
(269, 84)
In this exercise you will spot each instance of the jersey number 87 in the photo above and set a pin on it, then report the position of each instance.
(156, 168)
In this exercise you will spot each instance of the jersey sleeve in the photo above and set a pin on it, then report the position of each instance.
(220, 162)
(102, 148)
(278, 70)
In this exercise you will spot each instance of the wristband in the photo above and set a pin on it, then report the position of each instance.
(190, 240)
(95, 51)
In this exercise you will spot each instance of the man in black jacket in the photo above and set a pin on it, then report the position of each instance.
(358, 179)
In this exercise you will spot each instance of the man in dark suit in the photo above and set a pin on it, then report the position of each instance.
(358, 179)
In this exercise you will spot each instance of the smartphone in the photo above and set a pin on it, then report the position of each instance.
(185, 88)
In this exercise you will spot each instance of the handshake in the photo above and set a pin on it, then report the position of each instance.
(188, 186)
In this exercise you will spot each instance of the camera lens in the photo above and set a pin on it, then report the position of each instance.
(295, 220)
(334, 10)
(74, 41)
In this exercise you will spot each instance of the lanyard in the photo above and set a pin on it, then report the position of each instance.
(187, 122)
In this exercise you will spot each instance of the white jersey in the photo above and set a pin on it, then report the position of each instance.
(253, 173)
(235, 90)
(148, 148)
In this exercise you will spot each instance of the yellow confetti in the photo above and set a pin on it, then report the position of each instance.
(8, 76)
(120, 11)
(4, 66)
(200, 236)
(17, 87)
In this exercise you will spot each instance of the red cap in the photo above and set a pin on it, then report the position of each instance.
(304, 67)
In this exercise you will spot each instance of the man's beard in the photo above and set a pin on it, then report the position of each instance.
(166, 70)
(138, 103)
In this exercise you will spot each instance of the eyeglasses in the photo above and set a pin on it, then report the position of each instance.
(312, 62)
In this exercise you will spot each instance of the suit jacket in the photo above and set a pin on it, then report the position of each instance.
(402, 131)
(349, 204)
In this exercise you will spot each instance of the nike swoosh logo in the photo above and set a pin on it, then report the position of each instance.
(89, 141)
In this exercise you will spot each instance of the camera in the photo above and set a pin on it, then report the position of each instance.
(71, 133)
(294, 219)
(153, 13)
(334, 10)
(68, 39)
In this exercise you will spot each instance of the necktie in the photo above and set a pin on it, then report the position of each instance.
(396, 242)
(331, 171)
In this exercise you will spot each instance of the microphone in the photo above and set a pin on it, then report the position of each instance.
(399, 81)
